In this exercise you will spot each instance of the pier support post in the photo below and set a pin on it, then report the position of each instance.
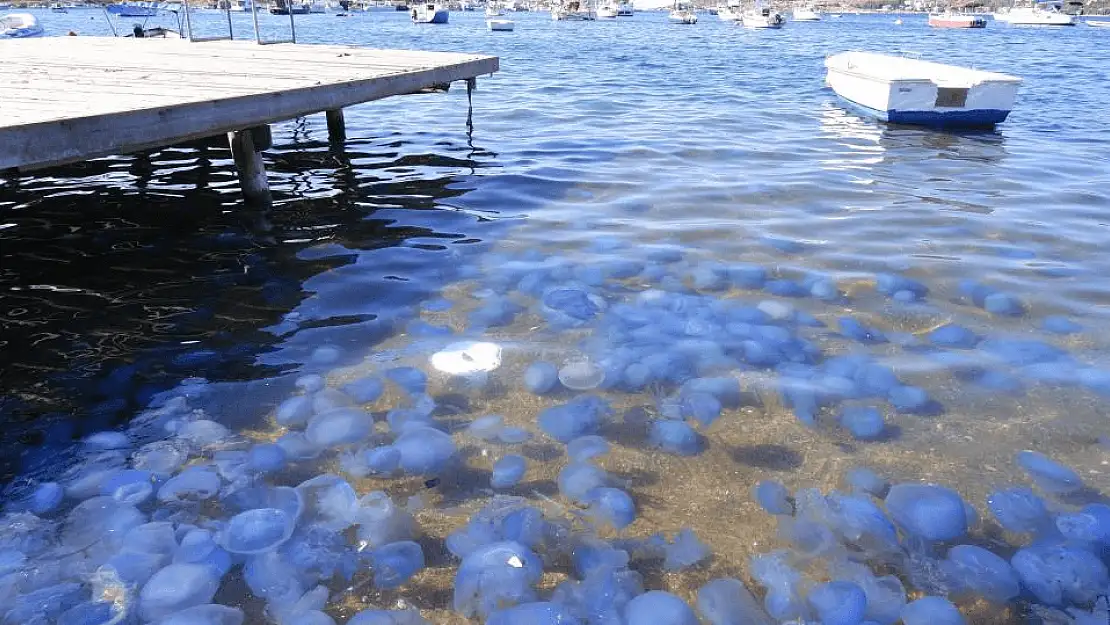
(337, 128)
(246, 149)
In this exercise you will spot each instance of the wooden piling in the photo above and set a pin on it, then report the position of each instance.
(248, 162)
(337, 128)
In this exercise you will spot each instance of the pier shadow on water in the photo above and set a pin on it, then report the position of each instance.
(123, 276)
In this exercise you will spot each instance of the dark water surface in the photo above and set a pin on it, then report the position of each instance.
(596, 143)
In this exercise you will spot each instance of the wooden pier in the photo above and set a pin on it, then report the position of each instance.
(70, 99)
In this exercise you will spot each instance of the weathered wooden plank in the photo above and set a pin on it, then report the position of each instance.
(68, 99)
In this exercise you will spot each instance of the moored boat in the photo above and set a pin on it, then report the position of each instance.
(19, 26)
(607, 10)
(956, 20)
(728, 14)
(806, 14)
(763, 17)
(1036, 15)
(285, 7)
(133, 10)
(683, 13)
(429, 13)
(574, 10)
(1099, 23)
(155, 32)
(910, 91)
(625, 9)
(501, 25)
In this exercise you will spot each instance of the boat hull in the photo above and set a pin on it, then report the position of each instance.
(761, 24)
(607, 13)
(500, 26)
(907, 91)
(440, 16)
(20, 33)
(970, 21)
(979, 118)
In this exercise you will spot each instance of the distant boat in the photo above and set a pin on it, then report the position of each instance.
(494, 10)
(157, 32)
(574, 10)
(1100, 24)
(607, 10)
(909, 91)
(763, 17)
(500, 25)
(806, 14)
(146, 9)
(1036, 16)
(728, 14)
(683, 13)
(625, 9)
(282, 7)
(429, 13)
(956, 20)
(59, 8)
(19, 26)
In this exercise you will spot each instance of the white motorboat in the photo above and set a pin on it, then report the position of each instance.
(19, 26)
(429, 13)
(1099, 23)
(494, 10)
(574, 11)
(728, 14)
(763, 17)
(625, 9)
(910, 91)
(683, 13)
(806, 14)
(1036, 15)
(607, 10)
(501, 26)
(951, 19)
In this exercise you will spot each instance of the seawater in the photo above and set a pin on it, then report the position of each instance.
(632, 140)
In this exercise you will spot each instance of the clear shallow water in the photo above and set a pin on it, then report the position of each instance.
(595, 143)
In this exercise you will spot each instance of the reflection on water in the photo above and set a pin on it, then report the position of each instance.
(124, 275)
(676, 207)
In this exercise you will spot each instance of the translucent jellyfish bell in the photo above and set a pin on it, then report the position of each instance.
(257, 531)
(581, 375)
